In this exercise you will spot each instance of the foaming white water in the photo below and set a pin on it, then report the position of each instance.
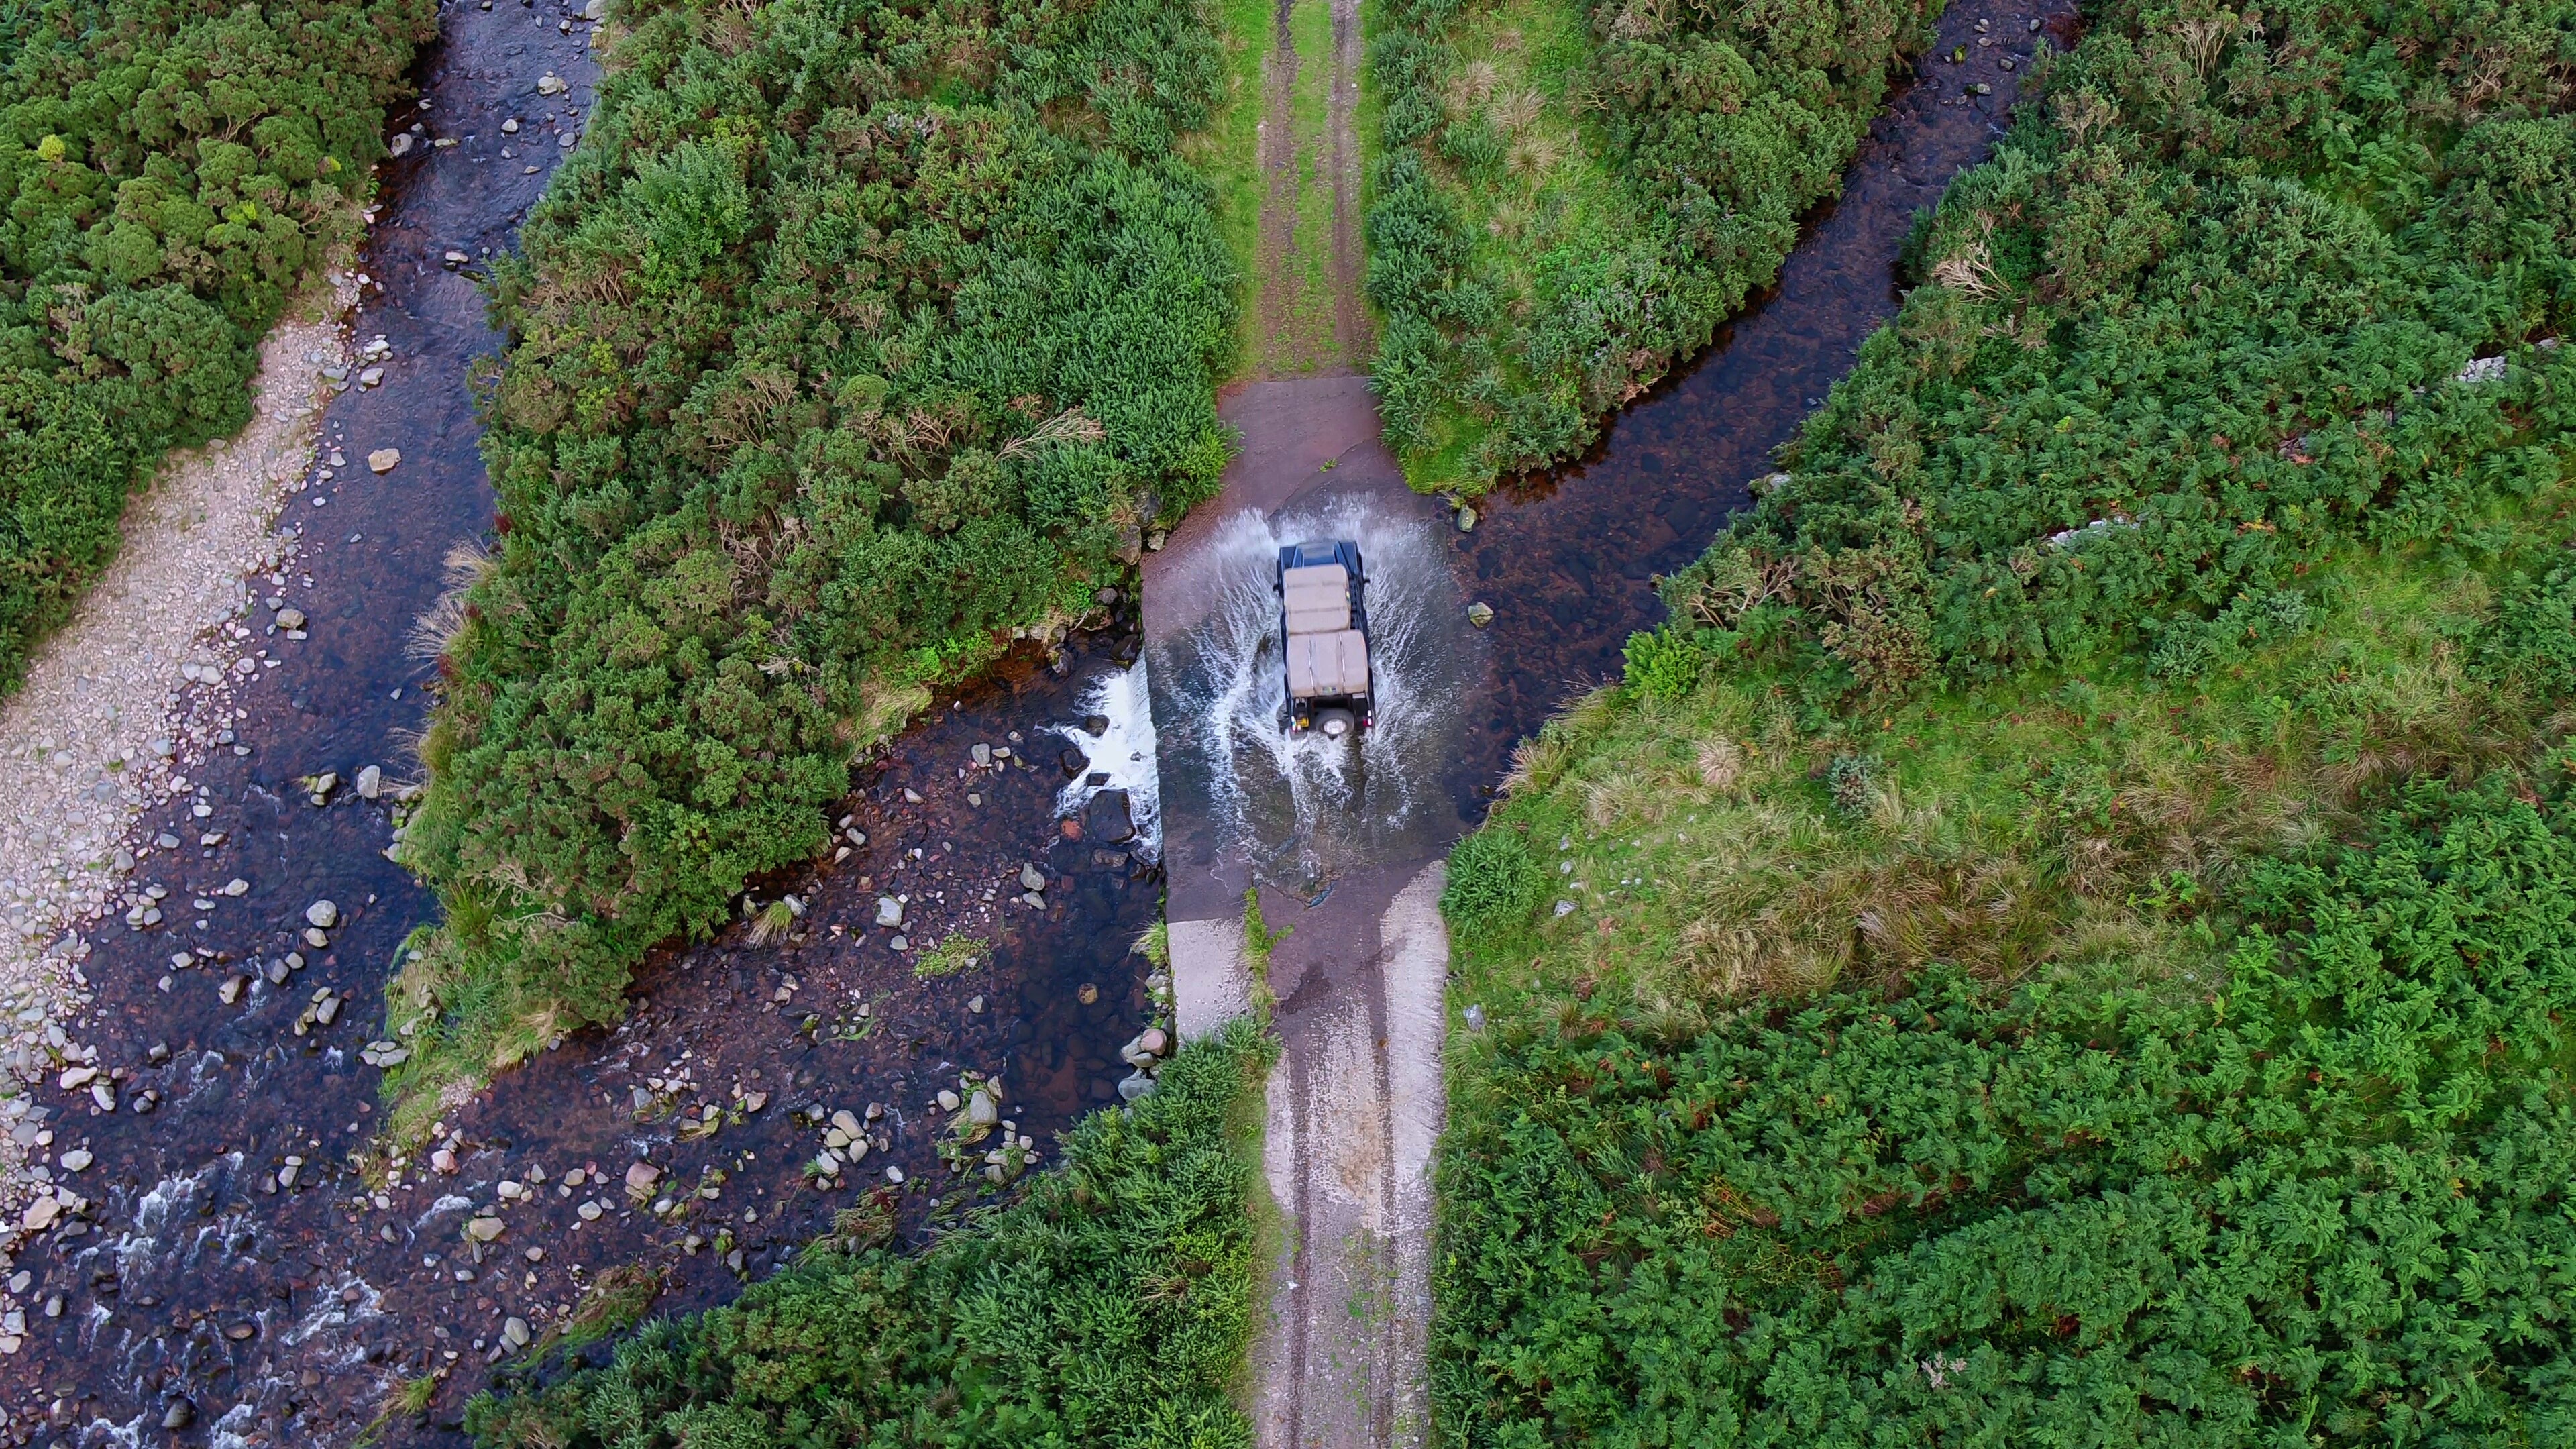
(1123, 753)
(106, 1434)
(333, 1310)
(151, 1217)
(451, 1203)
(1302, 808)
(232, 1431)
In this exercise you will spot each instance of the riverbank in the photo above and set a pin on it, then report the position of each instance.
(122, 705)
(219, 1027)
(1949, 947)
(242, 1256)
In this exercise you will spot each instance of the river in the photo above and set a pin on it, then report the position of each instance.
(198, 1293)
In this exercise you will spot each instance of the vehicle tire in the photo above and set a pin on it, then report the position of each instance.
(1335, 724)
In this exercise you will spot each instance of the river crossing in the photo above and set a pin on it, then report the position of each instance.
(212, 1295)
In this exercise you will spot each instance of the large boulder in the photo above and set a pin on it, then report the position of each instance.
(1108, 819)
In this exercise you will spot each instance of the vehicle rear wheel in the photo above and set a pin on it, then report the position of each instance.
(1336, 723)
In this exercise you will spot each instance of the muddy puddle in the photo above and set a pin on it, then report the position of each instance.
(235, 1282)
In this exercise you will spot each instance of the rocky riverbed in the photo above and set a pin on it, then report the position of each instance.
(206, 1245)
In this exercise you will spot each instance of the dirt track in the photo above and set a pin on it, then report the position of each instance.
(1306, 289)
(1360, 955)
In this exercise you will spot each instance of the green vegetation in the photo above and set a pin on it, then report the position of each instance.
(2331, 1199)
(2253, 290)
(1227, 151)
(2063, 937)
(1575, 193)
(172, 172)
(852, 338)
(950, 956)
(1110, 1305)
(1300, 297)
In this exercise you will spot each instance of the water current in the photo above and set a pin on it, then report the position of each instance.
(1310, 805)
(238, 1278)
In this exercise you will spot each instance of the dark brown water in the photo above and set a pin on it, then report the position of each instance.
(1567, 560)
(287, 1316)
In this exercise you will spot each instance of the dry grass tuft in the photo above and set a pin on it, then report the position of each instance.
(1721, 763)
(468, 564)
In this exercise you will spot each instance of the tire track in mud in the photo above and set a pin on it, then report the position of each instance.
(1306, 289)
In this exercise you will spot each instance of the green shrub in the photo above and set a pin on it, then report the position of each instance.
(2533, 643)
(2328, 1196)
(2161, 1038)
(172, 171)
(852, 338)
(2244, 294)
(1493, 877)
(1110, 1305)
(1665, 663)
(1577, 192)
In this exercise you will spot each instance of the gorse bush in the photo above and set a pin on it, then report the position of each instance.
(2143, 1021)
(1535, 273)
(1111, 1305)
(854, 336)
(1492, 877)
(2247, 289)
(172, 171)
(2327, 1203)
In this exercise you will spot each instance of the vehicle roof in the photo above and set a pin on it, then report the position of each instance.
(1317, 598)
(1327, 664)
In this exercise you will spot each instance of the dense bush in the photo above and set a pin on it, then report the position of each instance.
(854, 336)
(2143, 1023)
(2251, 289)
(1492, 877)
(1109, 1306)
(171, 171)
(1716, 126)
(2329, 1199)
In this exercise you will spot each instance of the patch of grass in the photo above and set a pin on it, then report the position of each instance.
(1227, 151)
(1530, 178)
(1713, 847)
(618, 1299)
(955, 954)
(1575, 193)
(410, 1399)
(1312, 290)
(1258, 938)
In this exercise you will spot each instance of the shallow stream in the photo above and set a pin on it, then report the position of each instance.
(200, 1293)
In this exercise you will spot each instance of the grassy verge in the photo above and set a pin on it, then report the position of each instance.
(849, 343)
(1227, 151)
(2070, 922)
(1110, 1304)
(1576, 192)
(153, 237)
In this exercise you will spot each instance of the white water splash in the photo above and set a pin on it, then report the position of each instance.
(1307, 806)
(233, 1430)
(451, 1203)
(1122, 755)
(144, 1242)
